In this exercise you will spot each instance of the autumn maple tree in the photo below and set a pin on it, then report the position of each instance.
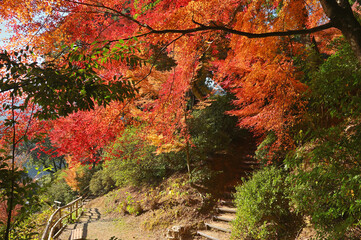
(246, 46)
(108, 64)
(29, 92)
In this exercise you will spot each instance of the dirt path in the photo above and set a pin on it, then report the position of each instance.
(100, 226)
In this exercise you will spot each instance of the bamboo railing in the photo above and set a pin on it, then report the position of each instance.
(55, 224)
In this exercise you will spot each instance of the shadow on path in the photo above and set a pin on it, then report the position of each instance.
(92, 215)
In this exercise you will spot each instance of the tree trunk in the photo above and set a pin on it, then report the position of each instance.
(341, 16)
(10, 203)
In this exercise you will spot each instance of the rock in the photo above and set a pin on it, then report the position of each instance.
(175, 233)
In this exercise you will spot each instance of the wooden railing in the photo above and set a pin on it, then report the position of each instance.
(55, 223)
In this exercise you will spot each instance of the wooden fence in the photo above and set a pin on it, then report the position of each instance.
(55, 223)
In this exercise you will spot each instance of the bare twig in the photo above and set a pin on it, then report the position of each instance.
(129, 17)
(156, 58)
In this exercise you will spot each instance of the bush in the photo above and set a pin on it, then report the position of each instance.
(335, 87)
(331, 197)
(205, 176)
(131, 161)
(263, 153)
(326, 182)
(263, 210)
(83, 177)
(101, 183)
(57, 189)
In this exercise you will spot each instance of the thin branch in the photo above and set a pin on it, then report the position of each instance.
(126, 39)
(28, 125)
(156, 58)
(130, 18)
(102, 30)
(41, 27)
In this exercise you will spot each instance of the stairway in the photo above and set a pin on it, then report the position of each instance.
(77, 233)
(220, 227)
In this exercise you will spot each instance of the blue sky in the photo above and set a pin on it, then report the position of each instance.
(3, 33)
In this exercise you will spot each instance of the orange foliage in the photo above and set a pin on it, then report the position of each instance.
(260, 72)
(4, 213)
(72, 173)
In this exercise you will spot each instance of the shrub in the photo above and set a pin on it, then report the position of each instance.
(331, 197)
(205, 176)
(131, 161)
(57, 189)
(326, 182)
(133, 207)
(101, 183)
(83, 177)
(335, 87)
(263, 210)
(263, 152)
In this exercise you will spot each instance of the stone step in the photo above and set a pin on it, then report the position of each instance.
(227, 217)
(227, 209)
(214, 235)
(228, 202)
(250, 162)
(221, 226)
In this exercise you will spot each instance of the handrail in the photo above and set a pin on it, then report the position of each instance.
(50, 227)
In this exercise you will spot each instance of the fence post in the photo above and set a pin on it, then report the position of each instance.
(55, 224)
(77, 208)
(61, 224)
(71, 214)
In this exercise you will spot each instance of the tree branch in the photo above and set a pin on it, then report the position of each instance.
(156, 57)
(245, 34)
(203, 27)
(129, 17)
